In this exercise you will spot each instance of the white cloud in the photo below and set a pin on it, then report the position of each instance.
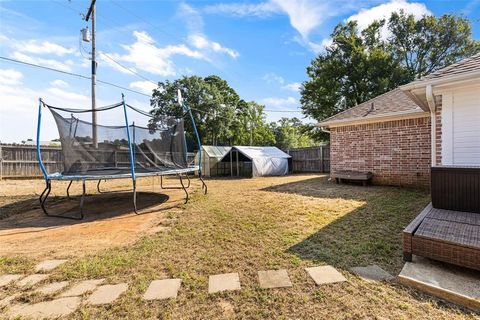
(197, 38)
(10, 77)
(279, 102)
(304, 15)
(146, 56)
(64, 95)
(41, 61)
(366, 16)
(294, 86)
(59, 84)
(273, 77)
(201, 42)
(144, 86)
(243, 9)
(42, 47)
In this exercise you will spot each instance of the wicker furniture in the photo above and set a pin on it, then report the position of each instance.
(444, 235)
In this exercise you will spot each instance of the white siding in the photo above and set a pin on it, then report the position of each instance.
(461, 127)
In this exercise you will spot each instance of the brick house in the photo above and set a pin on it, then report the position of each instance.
(392, 135)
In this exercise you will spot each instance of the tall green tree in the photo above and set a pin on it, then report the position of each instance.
(289, 134)
(425, 45)
(358, 66)
(213, 103)
(250, 127)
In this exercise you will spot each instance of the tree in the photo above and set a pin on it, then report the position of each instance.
(289, 134)
(221, 117)
(430, 43)
(250, 127)
(355, 68)
(211, 99)
(361, 65)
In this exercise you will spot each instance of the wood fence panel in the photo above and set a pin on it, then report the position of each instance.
(19, 161)
(313, 159)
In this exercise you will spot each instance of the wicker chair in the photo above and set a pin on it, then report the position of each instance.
(444, 235)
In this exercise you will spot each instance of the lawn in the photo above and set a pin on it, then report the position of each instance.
(257, 224)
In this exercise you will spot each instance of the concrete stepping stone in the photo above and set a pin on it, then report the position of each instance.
(325, 274)
(52, 288)
(107, 293)
(274, 279)
(372, 273)
(47, 309)
(32, 280)
(48, 265)
(223, 282)
(82, 287)
(6, 279)
(162, 289)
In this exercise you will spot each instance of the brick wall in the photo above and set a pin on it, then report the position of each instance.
(397, 152)
(438, 129)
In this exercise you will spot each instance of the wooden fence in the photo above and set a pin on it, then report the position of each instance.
(313, 159)
(20, 161)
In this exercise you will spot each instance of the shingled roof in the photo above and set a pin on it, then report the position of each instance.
(463, 67)
(389, 103)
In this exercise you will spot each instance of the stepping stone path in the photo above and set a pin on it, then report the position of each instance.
(162, 289)
(82, 287)
(47, 309)
(274, 279)
(325, 274)
(48, 265)
(372, 273)
(107, 294)
(51, 288)
(6, 279)
(223, 282)
(32, 280)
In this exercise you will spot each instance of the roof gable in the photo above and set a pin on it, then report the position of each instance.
(392, 102)
(216, 151)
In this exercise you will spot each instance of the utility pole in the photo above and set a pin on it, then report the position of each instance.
(91, 13)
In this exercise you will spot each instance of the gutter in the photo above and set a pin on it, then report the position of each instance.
(324, 130)
(420, 84)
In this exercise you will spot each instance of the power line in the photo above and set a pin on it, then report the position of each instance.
(128, 69)
(72, 74)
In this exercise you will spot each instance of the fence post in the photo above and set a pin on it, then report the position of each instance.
(321, 160)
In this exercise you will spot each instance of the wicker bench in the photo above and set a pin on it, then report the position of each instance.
(444, 235)
(363, 177)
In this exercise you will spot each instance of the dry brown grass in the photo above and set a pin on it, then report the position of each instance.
(265, 223)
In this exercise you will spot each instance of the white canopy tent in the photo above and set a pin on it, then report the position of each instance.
(266, 161)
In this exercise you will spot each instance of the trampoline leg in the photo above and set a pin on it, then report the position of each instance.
(204, 185)
(98, 186)
(135, 197)
(45, 194)
(68, 189)
(184, 189)
(42, 199)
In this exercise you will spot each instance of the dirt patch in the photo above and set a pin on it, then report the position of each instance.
(109, 217)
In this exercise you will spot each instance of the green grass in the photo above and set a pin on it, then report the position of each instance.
(257, 224)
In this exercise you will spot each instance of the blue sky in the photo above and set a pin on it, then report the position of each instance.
(260, 47)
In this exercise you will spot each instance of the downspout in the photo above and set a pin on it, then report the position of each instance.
(433, 124)
(324, 130)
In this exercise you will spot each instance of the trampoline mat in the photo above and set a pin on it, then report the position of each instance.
(120, 173)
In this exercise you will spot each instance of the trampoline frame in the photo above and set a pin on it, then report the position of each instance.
(179, 172)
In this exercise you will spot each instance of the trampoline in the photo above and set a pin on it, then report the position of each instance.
(100, 152)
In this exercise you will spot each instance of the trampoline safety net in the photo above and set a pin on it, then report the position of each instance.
(160, 147)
